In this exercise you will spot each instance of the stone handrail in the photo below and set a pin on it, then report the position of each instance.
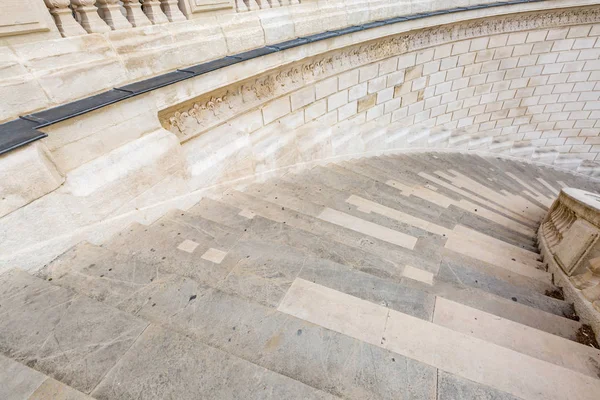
(569, 241)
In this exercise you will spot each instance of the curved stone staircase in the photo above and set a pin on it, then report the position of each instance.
(395, 277)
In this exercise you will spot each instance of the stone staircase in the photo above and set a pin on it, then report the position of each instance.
(395, 277)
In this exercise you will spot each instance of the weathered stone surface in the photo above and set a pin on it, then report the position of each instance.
(26, 175)
(163, 364)
(308, 353)
(452, 387)
(17, 381)
(69, 337)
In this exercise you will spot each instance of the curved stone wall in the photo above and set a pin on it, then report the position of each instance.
(489, 85)
(521, 84)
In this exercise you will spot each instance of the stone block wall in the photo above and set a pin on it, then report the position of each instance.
(532, 94)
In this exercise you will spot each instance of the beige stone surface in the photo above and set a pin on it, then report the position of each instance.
(503, 90)
(26, 174)
(576, 242)
(449, 350)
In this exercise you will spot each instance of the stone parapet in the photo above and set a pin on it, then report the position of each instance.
(568, 238)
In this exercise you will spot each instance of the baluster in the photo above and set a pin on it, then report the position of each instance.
(253, 5)
(294, 2)
(135, 15)
(88, 16)
(111, 13)
(274, 3)
(171, 9)
(264, 4)
(152, 10)
(63, 16)
(241, 6)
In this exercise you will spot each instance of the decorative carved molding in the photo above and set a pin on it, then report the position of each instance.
(209, 110)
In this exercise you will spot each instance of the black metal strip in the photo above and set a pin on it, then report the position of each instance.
(22, 131)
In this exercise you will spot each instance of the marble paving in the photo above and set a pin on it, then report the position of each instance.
(413, 276)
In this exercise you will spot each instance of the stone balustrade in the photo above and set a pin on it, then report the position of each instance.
(78, 17)
(569, 239)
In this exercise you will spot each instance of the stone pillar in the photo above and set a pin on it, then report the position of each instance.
(111, 13)
(88, 16)
(63, 16)
(171, 9)
(153, 11)
(135, 15)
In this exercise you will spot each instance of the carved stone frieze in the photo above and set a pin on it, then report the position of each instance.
(194, 117)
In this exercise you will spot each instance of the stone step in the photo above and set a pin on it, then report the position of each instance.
(112, 354)
(400, 243)
(455, 352)
(179, 244)
(60, 333)
(100, 273)
(426, 199)
(19, 382)
(165, 364)
(275, 341)
(326, 196)
(422, 168)
(281, 233)
(465, 294)
(423, 165)
(321, 227)
(284, 190)
(343, 280)
(453, 270)
(518, 337)
(478, 214)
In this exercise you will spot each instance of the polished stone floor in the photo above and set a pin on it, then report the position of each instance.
(395, 277)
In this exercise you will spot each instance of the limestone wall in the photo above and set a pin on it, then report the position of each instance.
(510, 81)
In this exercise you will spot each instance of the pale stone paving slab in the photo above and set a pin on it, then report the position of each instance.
(418, 275)
(448, 350)
(368, 228)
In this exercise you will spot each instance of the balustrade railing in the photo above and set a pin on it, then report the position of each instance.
(570, 236)
(78, 17)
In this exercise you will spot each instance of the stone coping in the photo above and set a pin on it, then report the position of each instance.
(17, 133)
